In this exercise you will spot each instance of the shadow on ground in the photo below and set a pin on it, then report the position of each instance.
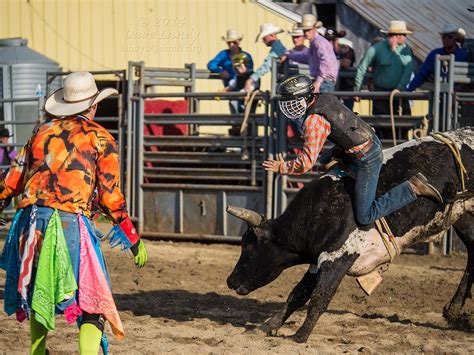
(180, 305)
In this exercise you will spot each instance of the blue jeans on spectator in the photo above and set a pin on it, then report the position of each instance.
(327, 86)
(367, 207)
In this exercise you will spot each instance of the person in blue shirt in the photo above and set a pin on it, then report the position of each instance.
(222, 62)
(451, 35)
(268, 35)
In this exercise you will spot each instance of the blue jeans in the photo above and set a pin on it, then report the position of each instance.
(327, 86)
(367, 208)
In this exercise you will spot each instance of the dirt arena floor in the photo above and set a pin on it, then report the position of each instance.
(180, 304)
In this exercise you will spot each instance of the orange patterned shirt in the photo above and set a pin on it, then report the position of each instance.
(316, 129)
(62, 165)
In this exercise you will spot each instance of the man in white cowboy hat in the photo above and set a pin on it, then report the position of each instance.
(451, 36)
(268, 35)
(392, 66)
(56, 174)
(222, 63)
(323, 64)
(299, 51)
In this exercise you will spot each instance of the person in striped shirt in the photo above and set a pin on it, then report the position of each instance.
(322, 117)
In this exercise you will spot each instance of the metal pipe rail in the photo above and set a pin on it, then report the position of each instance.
(200, 95)
(20, 99)
(193, 141)
(202, 119)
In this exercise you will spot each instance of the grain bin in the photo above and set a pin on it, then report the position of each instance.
(22, 73)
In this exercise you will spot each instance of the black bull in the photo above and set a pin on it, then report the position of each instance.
(318, 228)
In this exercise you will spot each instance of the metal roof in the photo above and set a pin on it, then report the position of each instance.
(424, 17)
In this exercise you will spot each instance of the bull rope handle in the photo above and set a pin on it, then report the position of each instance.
(449, 141)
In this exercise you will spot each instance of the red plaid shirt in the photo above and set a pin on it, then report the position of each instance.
(316, 129)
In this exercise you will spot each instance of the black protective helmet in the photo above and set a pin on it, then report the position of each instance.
(295, 95)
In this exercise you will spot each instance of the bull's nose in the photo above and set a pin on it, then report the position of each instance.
(241, 290)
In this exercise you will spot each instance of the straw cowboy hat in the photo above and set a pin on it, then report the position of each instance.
(232, 35)
(268, 29)
(296, 31)
(309, 21)
(78, 94)
(397, 27)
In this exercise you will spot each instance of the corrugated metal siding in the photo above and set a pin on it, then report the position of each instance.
(424, 17)
(98, 35)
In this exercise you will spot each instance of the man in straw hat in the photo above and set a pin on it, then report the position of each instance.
(268, 35)
(323, 64)
(451, 36)
(299, 51)
(222, 62)
(52, 254)
(391, 62)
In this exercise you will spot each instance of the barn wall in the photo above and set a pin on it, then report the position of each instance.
(106, 34)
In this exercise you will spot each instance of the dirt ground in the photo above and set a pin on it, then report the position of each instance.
(179, 303)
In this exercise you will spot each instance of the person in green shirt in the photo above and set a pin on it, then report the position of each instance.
(392, 66)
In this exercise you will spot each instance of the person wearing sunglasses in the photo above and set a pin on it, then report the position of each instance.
(451, 37)
(222, 62)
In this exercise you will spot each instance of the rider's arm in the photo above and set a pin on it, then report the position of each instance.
(316, 130)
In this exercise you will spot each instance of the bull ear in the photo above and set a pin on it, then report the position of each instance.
(261, 233)
(251, 217)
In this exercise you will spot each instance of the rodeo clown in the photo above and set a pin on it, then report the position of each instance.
(52, 254)
(321, 116)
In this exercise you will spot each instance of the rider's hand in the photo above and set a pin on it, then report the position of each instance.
(140, 254)
(274, 165)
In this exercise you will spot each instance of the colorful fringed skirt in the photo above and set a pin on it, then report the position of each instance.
(54, 265)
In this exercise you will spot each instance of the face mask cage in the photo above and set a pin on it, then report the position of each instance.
(293, 109)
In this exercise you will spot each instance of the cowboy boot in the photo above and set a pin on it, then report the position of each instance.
(421, 187)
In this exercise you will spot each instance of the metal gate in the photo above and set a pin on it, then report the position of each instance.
(181, 184)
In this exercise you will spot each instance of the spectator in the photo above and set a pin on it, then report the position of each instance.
(7, 154)
(299, 50)
(346, 56)
(242, 74)
(333, 36)
(450, 36)
(322, 61)
(222, 62)
(392, 65)
(268, 35)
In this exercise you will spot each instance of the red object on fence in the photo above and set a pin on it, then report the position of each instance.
(166, 106)
(154, 129)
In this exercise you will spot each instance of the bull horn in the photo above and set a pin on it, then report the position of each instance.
(251, 217)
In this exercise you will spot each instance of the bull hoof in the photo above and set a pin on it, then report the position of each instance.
(270, 328)
(272, 325)
(457, 319)
(300, 337)
(272, 332)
